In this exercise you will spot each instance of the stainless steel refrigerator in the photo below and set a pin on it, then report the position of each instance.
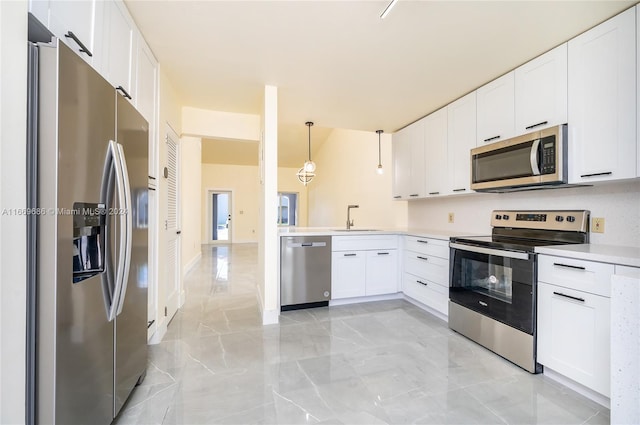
(87, 346)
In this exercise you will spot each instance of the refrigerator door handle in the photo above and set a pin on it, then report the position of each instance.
(121, 278)
(128, 213)
(106, 199)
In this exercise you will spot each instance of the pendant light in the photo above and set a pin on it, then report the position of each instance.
(379, 169)
(308, 170)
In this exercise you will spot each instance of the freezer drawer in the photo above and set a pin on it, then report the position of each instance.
(305, 271)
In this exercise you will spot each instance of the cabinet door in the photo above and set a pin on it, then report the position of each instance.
(401, 163)
(348, 274)
(118, 47)
(40, 9)
(382, 272)
(435, 150)
(541, 91)
(496, 116)
(77, 17)
(146, 98)
(461, 138)
(574, 334)
(416, 142)
(602, 101)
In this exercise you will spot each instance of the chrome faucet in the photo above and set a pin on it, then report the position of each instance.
(350, 222)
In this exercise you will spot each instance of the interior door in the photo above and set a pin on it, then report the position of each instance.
(172, 223)
(220, 217)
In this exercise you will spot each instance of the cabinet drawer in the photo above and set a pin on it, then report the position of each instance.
(363, 243)
(428, 293)
(428, 246)
(587, 276)
(429, 267)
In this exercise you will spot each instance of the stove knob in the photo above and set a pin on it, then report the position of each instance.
(571, 218)
(498, 217)
(506, 217)
(560, 219)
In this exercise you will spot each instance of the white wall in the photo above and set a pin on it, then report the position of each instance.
(220, 125)
(191, 181)
(346, 174)
(13, 95)
(618, 203)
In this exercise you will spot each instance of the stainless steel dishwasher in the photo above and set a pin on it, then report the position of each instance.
(305, 272)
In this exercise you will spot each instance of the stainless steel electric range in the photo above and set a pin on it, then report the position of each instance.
(492, 279)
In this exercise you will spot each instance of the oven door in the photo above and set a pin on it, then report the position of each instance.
(496, 283)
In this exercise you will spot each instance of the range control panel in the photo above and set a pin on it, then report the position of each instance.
(568, 220)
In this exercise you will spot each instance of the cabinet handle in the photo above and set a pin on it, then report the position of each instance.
(459, 190)
(83, 48)
(414, 194)
(434, 193)
(569, 266)
(560, 294)
(421, 282)
(350, 255)
(536, 125)
(397, 197)
(608, 173)
(422, 241)
(491, 138)
(124, 92)
(422, 258)
(383, 253)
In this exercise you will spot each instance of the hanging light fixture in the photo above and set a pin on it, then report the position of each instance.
(379, 170)
(308, 170)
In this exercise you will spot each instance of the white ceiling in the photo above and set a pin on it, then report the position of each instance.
(338, 64)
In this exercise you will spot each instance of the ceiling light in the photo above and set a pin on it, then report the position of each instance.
(379, 169)
(388, 9)
(307, 172)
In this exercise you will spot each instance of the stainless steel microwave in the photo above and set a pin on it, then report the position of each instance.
(534, 160)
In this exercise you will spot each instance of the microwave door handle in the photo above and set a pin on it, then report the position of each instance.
(534, 157)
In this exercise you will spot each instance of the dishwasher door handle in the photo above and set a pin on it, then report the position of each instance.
(306, 244)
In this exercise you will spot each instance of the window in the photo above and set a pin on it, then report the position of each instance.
(287, 209)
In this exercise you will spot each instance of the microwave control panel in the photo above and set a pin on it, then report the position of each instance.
(548, 155)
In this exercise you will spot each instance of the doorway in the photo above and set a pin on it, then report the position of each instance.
(219, 216)
(287, 209)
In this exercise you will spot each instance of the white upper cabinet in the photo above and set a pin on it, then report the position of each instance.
(435, 153)
(146, 98)
(401, 163)
(408, 162)
(461, 139)
(602, 101)
(40, 9)
(541, 91)
(496, 116)
(73, 22)
(118, 47)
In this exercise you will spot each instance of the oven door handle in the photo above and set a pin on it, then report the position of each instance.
(490, 251)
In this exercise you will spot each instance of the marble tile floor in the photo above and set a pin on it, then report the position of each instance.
(383, 362)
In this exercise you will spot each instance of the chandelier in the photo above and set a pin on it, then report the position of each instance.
(308, 170)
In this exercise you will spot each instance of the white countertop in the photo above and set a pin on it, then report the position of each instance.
(622, 255)
(334, 231)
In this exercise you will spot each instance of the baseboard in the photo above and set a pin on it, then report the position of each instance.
(426, 308)
(579, 388)
(355, 300)
(161, 330)
(191, 264)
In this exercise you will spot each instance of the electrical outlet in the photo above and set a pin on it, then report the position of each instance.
(597, 224)
(451, 217)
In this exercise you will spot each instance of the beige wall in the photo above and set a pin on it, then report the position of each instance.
(170, 115)
(244, 183)
(618, 203)
(191, 180)
(346, 174)
(219, 124)
(13, 107)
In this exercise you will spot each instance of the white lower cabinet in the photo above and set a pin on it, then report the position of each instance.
(573, 324)
(364, 266)
(426, 272)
